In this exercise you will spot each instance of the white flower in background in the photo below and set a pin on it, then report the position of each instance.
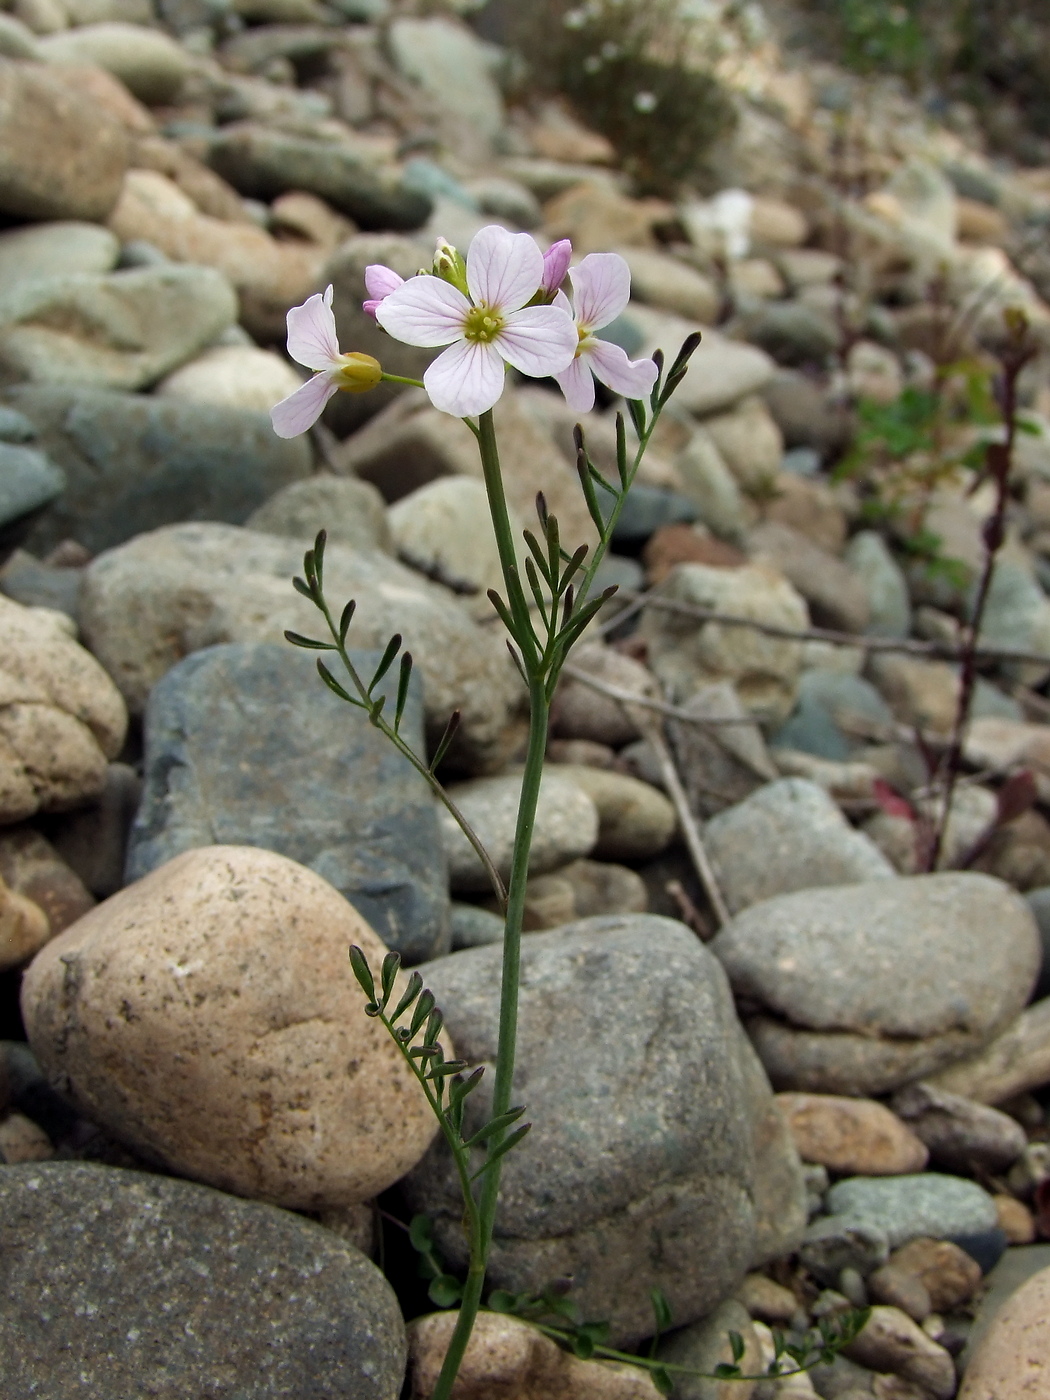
(601, 289)
(486, 326)
(312, 342)
(380, 281)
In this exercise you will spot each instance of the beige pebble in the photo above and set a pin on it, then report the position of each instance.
(851, 1136)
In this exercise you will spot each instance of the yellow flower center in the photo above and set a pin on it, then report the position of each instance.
(483, 324)
(585, 338)
(358, 372)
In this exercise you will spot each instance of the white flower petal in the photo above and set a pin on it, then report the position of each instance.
(631, 378)
(301, 409)
(380, 281)
(577, 384)
(312, 339)
(538, 340)
(562, 302)
(504, 269)
(601, 288)
(465, 379)
(425, 311)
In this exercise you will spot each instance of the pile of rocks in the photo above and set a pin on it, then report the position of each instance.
(833, 1097)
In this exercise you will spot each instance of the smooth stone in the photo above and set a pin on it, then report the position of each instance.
(851, 1136)
(17, 40)
(134, 463)
(15, 427)
(62, 716)
(635, 820)
(707, 481)
(1014, 1269)
(686, 652)
(453, 67)
(471, 926)
(668, 283)
(506, 1357)
(197, 585)
(647, 508)
(1017, 615)
(263, 162)
(444, 529)
(581, 712)
(721, 372)
(637, 1157)
(54, 250)
(961, 1135)
(47, 169)
(806, 414)
(792, 332)
(788, 835)
(705, 1345)
(1012, 1359)
(24, 929)
(149, 63)
(985, 1247)
(235, 737)
(836, 1242)
(93, 840)
(751, 444)
(235, 959)
(28, 481)
(892, 1342)
(822, 969)
(566, 827)
(122, 330)
(720, 764)
(583, 889)
(907, 1207)
(809, 506)
(1039, 903)
(948, 1274)
(835, 714)
(351, 512)
(234, 376)
(32, 868)
(173, 1290)
(835, 595)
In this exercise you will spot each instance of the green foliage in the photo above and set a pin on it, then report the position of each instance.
(623, 66)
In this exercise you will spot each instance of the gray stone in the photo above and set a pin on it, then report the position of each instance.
(245, 747)
(134, 463)
(163, 595)
(793, 332)
(172, 1289)
(720, 764)
(120, 330)
(1017, 615)
(862, 988)
(713, 489)
(721, 372)
(705, 1345)
(836, 713)
(1039, 903)
(263, 162)
(647, 508)
(836, 597)
(352, 513)
(55, 250)
(471, 926)
(961, 1135)
(36, 585)
(47, 169)
(453, 68)
(789, 835)
(93, 840)
(148, 62)
(28, 480)
(836, 1242)
(15, 427)
(868, 555)
(907, 1207)
(445, 530)
(17, 40)
(566, 827)
(639, 1155)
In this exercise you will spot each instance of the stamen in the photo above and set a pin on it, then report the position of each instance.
(483, 324)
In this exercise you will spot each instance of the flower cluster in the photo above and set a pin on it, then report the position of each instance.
(501, 305)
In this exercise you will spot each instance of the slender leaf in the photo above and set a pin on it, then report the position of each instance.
(332, 684)
(636, 408)
(501, 609)
(600, 480)
(386, 661)
(445, 1291)
(403, 681)
(661, 1309)
(446, 739)
(304, 588)
(502, 1150)
(318, 561)
(408, 996)
(359, 967)
(542, 510)
(424, 1006)
(346, 619)
(661, 1379)
(308, 643)
(391, 967)
(517, 662)
(725, 1372)
(502, 1120)
(537, 592)
(622, 465)
(446, 1069)
(736, 1344)
(538, 554)
(582, 465)
(690, 345)
(574, 564)
(434, 1024)
(553, 534)
(376, 711)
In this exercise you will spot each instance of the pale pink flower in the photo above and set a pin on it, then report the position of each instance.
(484, 332)
(312, 342)
(380, 281)
(601, 288)
(555, 265)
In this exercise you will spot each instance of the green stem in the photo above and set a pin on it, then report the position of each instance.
(539, 712)
(400, 379)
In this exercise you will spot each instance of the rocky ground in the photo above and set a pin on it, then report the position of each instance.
(817, 1082)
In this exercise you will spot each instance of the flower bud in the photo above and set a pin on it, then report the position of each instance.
(358, 372)
(450, 265)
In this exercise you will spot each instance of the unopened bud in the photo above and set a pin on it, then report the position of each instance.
(358, 372)
(450, 266)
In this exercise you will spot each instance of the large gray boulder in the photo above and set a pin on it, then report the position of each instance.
(246, 747)
(861, 988)
(650, 1127)
(122, 1283)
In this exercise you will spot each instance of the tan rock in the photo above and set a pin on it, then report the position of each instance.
(898, 1288)
(980, 223)
(665, 281)
(807, 506)
(770, 1302)
(61, 717)
(208, 191)
(33, 868)
(1015, 1219)
(635, 821)
(1012, 1359)
(750, 442)
(269, 276)
(22, 1140)
(236, 376)
(856, 1137)
(581, 712)
(24, 928)
(596, 218)
(773, 221)
(922, 693)
(109, 92)
(948, 1273)
(207, 1016)
(509, 1360)
(891, 1341)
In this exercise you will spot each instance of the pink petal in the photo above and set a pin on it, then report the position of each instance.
(465, 379)
(301, 409)
(424, 311)
(538, 340)
(577, 384)
(312, 339)
(631, 378)
(380, 281)
(504, 269)
(370, 307)
(601, 287)
(556, 264)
